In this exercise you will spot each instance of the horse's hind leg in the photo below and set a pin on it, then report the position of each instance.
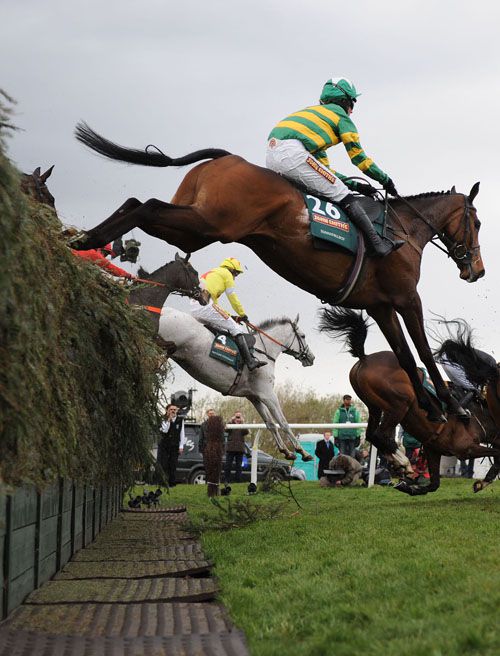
(180, 225)
(491, 474)
(114, 226)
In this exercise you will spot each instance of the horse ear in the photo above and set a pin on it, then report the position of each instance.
(453, 190)
(36, 172)
(177, 257)
(43, 178)
(296, 319)
(188, 255)
(473, 192)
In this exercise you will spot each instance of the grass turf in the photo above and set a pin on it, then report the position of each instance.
(361, 571)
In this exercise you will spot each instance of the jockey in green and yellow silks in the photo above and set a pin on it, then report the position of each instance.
(297, 150)
(216, 282)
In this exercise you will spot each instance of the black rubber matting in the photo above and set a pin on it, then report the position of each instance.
(136, 570)
(26, 643)
(181, 551)
(170, 509)
(124, 591)
(122, 620)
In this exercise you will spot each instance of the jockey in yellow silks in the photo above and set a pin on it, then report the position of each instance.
(216, 282)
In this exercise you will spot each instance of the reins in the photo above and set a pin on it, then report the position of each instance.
(299, 355)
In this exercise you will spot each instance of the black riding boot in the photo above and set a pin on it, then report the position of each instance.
(379, 246)
(248, 358)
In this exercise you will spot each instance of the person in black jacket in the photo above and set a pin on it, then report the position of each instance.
(171, 443)
(324, 452)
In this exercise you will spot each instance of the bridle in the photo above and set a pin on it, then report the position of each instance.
(300, 355)
(459, 252)
(194, 292)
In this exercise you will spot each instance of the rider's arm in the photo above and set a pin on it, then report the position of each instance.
(350, 138)
(232, 296)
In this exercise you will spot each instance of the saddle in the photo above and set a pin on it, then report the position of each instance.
(331, 227)
(225, 349)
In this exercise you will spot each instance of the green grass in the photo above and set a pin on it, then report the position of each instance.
(362, 571)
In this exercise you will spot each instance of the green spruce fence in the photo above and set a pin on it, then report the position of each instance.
(40, 531)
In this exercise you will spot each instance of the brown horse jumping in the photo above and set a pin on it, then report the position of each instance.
(230, 200)
(386, 390)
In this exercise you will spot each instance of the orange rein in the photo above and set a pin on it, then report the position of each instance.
(150, 282)
(258, 330)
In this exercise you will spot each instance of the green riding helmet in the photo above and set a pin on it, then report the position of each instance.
(338, 88)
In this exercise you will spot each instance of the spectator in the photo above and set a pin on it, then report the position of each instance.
(212, 453)
(410, 443)
(203, 430)
(348, 471)
(347, 439)
(235, 448)
(171, 443)
(467, 468)
(325, 451)
(361, 455)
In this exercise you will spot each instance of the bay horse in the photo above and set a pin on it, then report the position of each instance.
(228, 199)
(386, 390)
(483, 372)
(188, 343)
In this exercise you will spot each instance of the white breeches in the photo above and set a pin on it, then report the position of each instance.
(215, 316)
(292, 160)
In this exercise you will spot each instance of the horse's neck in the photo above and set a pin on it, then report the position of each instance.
(437, 210)
(152, 295)
(281, 333)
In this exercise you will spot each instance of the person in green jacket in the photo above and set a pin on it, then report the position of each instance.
(297, 147)
(347, 439)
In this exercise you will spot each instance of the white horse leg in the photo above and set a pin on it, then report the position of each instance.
(273, 406)
(271, 426)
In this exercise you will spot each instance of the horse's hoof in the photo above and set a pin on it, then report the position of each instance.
(307, 457)
(478, 486)
(403, 486)
(78, 241)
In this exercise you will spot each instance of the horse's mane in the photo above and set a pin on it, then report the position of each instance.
(479, 367)
(270, 323)
(430, 194)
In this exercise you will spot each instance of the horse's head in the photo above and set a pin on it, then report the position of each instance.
(33, 185)
(180, 276)
(298, 347)
(461, 237)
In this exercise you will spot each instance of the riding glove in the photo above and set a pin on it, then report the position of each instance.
(365, 189)
(390, 187)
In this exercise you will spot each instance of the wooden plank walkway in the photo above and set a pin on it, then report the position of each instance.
(143, 588)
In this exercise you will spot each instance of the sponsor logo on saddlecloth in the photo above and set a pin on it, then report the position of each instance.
(334, 223)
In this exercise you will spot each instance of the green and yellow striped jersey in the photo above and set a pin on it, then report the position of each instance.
(321, 126)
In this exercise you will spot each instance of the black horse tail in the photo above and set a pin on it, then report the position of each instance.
(146, 157)
(479, 367)
(347, 324)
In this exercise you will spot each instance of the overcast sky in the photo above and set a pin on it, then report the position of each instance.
(193, 74)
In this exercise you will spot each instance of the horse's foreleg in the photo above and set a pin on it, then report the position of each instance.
(271, 426)
(388, 322)
(433, 465)
(274, 408)
(491, 474)
(414, 321)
